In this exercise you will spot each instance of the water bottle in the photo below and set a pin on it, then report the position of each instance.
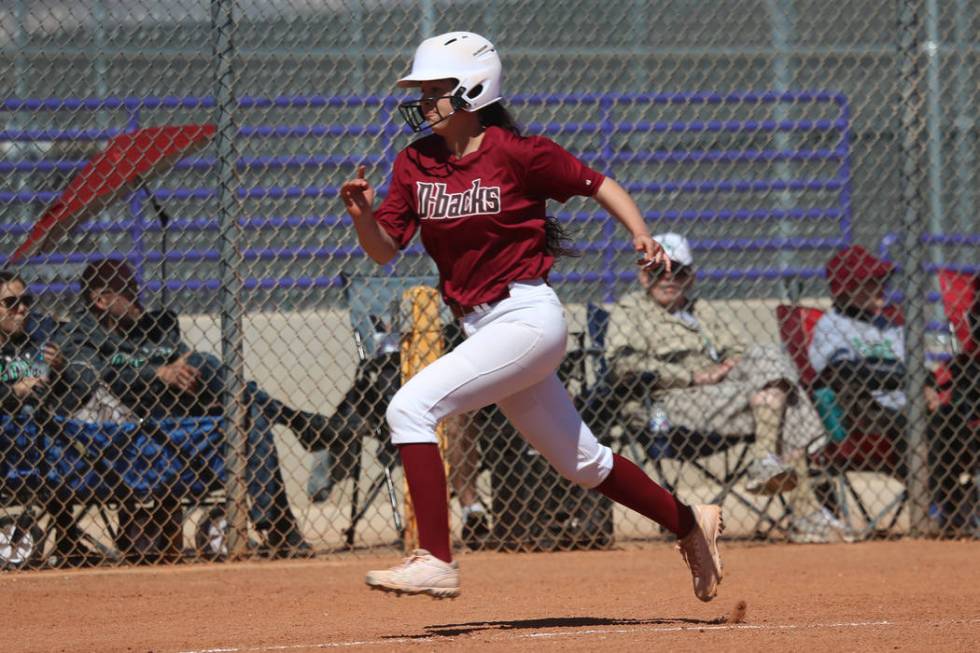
(39, 366)
(659, 422)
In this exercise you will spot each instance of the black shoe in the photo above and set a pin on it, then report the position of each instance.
(290, 544)
(312, 430)
(476, 530)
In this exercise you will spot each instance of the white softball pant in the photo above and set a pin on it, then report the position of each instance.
(508, 358)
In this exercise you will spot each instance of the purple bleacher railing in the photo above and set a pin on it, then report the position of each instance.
(387, 130)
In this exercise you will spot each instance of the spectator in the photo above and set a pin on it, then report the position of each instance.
(954, 436)
(36, 380)
(858, 349)
(142, 359)
(709, 382)
(34, 372)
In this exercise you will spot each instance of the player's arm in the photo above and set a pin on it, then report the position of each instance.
(358, 197)
(615, 200)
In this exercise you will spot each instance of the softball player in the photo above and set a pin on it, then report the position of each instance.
(476, 190)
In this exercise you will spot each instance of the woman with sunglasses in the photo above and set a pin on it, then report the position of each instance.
(476, 190)
(31, 367)
(711, 382)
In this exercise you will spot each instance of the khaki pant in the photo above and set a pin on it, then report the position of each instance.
(724, 408)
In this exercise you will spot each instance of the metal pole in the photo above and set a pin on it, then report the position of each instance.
(914, 222)
(230, 264)
(934, 115)
(963, 89)
(18, 148)
(428, 18)
(781, 22)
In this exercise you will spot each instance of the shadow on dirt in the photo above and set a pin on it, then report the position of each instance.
(455, 630)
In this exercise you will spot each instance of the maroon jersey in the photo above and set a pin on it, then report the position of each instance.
(482, 217)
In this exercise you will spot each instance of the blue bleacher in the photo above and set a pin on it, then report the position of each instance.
(724, 162)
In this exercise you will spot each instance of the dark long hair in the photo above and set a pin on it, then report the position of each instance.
(9, 276)
(497, 115)
(558, 240)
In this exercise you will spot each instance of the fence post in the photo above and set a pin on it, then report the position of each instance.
(912, 149)
(230, 265)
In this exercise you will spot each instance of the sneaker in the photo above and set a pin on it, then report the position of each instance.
(770, 476)
(699, 548)
(820, 527)
(420, 573)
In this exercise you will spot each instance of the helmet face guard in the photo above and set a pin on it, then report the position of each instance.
(411, 111)
(468, 58)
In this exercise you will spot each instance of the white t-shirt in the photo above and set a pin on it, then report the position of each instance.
(838, 337)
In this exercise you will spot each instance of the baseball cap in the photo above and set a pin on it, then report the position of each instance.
(109, 274)
(677, 247)
(851, 267)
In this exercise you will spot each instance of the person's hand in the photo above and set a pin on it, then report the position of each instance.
(358, 195)
(652, 254)
(52, 356)
(27, 386)
(179, 374)
(715, 373)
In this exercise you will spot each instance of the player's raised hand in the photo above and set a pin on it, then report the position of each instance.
(358, 195)
(652, 254)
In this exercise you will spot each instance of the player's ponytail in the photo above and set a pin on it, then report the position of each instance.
(557, 240)
(497, 115)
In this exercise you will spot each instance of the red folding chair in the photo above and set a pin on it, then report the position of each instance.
(857, 452)
(958, 290)
(954, 434)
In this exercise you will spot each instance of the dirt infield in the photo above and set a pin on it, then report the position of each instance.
(869, 597)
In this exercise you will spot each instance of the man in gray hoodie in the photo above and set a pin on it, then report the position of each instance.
(142, 360)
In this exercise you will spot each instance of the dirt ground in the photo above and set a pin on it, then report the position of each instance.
(877, 596)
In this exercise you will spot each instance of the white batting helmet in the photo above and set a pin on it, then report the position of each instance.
(467, 57)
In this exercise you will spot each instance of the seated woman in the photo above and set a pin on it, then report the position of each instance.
(858, 349)
(33, 372)
(710, 382)
(37, 381)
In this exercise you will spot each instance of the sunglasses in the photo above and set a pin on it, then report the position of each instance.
(13, 301)
(678, 272)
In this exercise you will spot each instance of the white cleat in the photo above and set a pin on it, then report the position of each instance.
(699, 548)
(420, 573)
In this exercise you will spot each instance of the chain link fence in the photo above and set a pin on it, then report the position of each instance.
(205, 369)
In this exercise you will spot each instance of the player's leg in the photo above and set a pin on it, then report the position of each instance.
(547, 418)
(509, 351)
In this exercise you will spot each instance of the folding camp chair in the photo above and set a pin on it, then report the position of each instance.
(378, 319)
(844, 454)
(22, 537)
(660, 443)
(70, 468)
(954, 430)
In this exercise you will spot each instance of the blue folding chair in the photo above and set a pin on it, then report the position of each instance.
(63, 463)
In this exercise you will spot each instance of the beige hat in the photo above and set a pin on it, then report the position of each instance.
(677, 247)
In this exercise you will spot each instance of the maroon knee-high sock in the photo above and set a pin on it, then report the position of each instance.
(628, 485)
(426, 478)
